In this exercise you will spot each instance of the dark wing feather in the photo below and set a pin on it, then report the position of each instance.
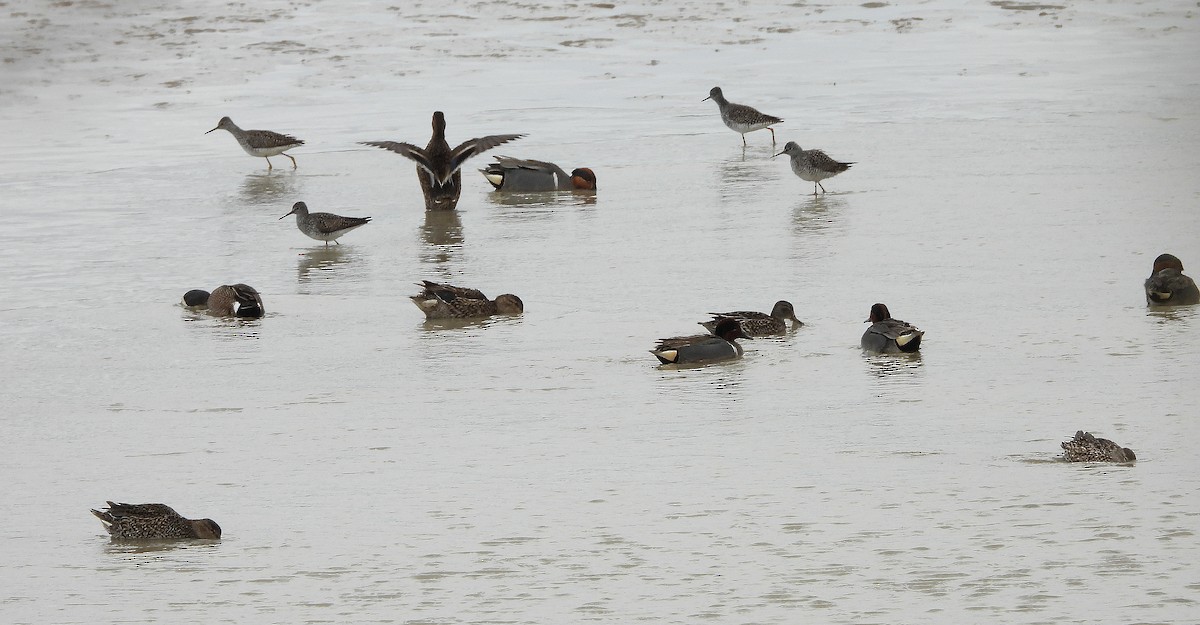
(142, 510)
(472, 147)
(270, 139)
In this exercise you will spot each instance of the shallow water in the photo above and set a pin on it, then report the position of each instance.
(1018, 167)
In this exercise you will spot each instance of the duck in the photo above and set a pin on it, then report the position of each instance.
(262, 143)
(230, 300)
(703, 348)
(446, 301)
(741, 118)
(758, 324)
(1087, 448)
(149, 521)
(890, 336)
(812, 165)
(530, 176)
(1167, 286)
(438, 167)
(324, 226)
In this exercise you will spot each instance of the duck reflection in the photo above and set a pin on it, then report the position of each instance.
(319, 263)
(442, 234)
(544, 199)
(894, 366)
(269, 188)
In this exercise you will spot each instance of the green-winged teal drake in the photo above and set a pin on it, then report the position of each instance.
(741, 118)
(529, 176)
(812, 165)
(438, 167)
(230, 300)
(262, 143)
(759, 323)
(149, 521)
(703, 348)
(1167, 286)
(890, 336)
(446, 301)
(1087, 448)
(324, 226)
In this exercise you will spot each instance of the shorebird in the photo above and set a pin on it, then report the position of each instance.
(262, 143)
(1087, 448)
(446, 301)
(324, 226)
(890, 336)
(230, 300)
(702, 348)
(758, 323)
(1167, 286)
(812, 165)
(528, 176)
(149, 521)
(741, 118)
(438, 166)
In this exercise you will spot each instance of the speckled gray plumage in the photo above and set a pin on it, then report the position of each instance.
(261, 143)
(812, 165)
(324, 226)
(741, 118)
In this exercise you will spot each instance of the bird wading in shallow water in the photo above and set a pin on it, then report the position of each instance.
(262, 143)
(1167, 286)
(324, 226)
(438, 166)
(741, 118)
(528, 176)
(890, 336)
(151, 521)
(812, 165)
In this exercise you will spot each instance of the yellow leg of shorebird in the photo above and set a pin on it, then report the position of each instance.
(772, 135)
(743, 140)
(822, 188)
(269, 167)
(293, 160)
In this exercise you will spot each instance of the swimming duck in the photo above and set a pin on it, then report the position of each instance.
(701, 348)
(438, 166)
(1087, 448)
(741, 118)
(890, 336)
(1167, 286)
(148, 521)
(230, 300)
(262, 143)
(812, 165)
(529, 176)
(324, 226)
(446, 301)
(757, 323)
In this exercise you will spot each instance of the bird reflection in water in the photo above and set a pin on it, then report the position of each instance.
(442, 235)
(894, 366)
(814, 215)
(268, 188)
(319, 263)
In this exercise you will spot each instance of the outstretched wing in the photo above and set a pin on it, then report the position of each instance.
(472, 147)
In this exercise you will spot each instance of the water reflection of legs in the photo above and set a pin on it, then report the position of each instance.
(269, 188)
(320, 259)
(442, 234)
